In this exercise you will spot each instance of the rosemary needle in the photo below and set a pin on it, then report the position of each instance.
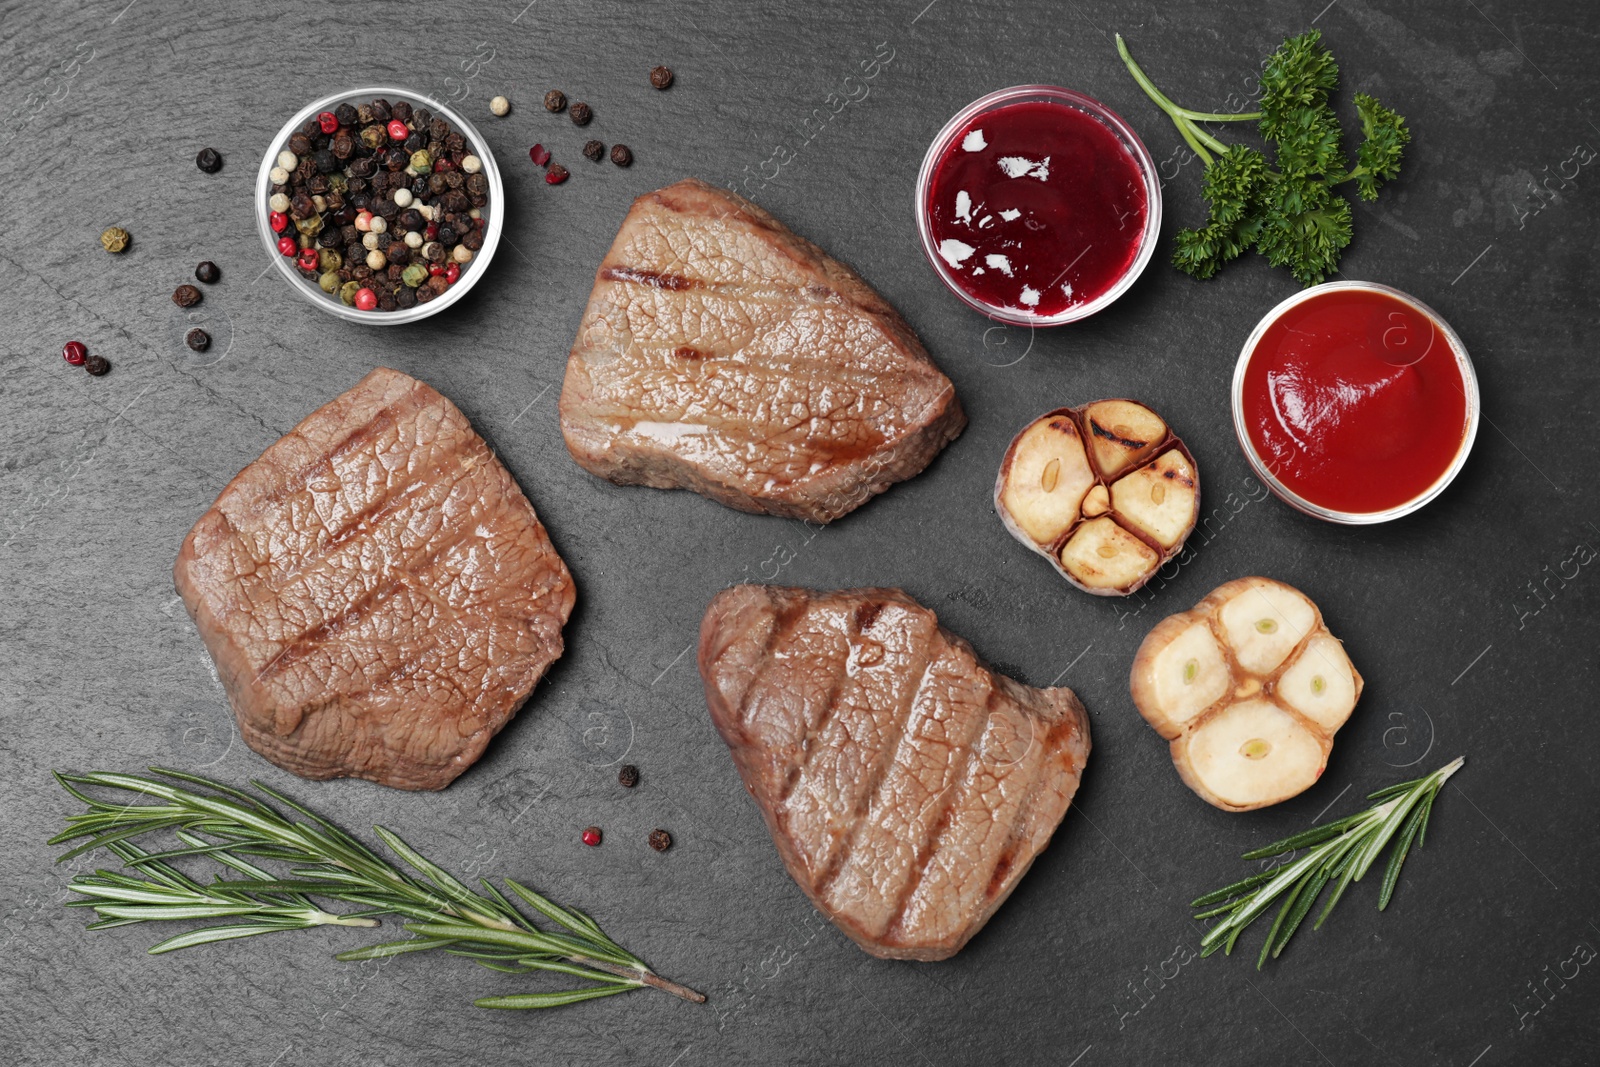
(1340, 852)
(224, 824)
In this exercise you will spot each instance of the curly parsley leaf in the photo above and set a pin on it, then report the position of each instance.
(1287, 209)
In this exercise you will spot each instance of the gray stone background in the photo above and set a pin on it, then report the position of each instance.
(1474, 621)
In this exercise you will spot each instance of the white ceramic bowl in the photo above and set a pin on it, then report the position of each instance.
(1263, 471)
(330, 302)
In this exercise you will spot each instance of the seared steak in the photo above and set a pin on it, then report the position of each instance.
(377, 593)
(908, 787)
(722, 353)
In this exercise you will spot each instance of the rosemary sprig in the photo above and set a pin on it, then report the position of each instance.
(226, 825)
(1340, 852)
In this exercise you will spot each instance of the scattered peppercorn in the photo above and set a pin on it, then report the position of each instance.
(500, 106)
(591, 836)
(207, 272)
(581, 114)
(208, 160)
(620, 155)
(99, 366)
(661, 77)
(593, 150)
(556, 174)
(74, 352)
(186, 296)
(555, 100)
(115, 239)
(660, 840)
(628, 776)
(197, 339)
(539, 154)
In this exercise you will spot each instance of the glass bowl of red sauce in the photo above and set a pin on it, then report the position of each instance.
(1038, 205)
(1355, 402)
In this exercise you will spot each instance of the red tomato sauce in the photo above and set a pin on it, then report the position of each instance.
(1355, 401)
(1037, 207)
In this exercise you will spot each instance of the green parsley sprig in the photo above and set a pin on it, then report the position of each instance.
(1288, 210)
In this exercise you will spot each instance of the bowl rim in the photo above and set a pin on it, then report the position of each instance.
(1263, 471)
(332, 304)
(1119, 127)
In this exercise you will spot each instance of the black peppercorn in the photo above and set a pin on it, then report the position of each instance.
(398, 252)
(620, 155)
(98, 366)
(342, 145)
(593, 150)
(326, 162)
(346, 114)
(387, 208)
(581, 114)
(473, 239)
(380, 110)
(555, 100)
(299, 144)
(448, 235)
(421, 117)
(410, 219)
(207, 272)
(361, 168)
(197, 339)
(301, 207)
(405, 297)
(318, 184)
(401, 110)
(660, 840)
(329, 238)
(186, 296)
(661, 77)
(310, 126)
(438, 129)
(397, 158)
(364, 114)
(208, 160)
(417, 141)
(477, 183)
(420, 186)
(628, 776)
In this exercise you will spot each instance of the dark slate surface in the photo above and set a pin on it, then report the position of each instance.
(1474, 621)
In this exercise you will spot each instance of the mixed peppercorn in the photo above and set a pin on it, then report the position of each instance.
(382, 204)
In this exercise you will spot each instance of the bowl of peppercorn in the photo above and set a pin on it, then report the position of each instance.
(380, 205)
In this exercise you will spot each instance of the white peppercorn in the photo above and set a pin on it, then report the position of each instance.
(471, 164)
(413, 239)
(461, 254)
(278, 176)
(288, 160)
(369, 241)
(377, 224)
(376, 259)
(403, 197)
(500, 106)
(279, 202)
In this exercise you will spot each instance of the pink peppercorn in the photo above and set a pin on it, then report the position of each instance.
(279, 220)
(328, 122)
(74, 353)
(591, 836)
(366, 299)
(307, 259)
(452, 273)
(288, 246)
(539, 154)
(398, 131)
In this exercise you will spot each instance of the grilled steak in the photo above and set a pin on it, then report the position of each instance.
(377, 593)
(722, 353)
(908, 787)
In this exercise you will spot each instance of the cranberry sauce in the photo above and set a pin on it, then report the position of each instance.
(1036, 207)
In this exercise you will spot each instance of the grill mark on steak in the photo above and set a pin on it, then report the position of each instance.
(654, 278)
(866, 798)
(303, 644)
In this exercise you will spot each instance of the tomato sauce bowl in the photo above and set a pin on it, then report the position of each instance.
(1355, 402)
(1037, 205)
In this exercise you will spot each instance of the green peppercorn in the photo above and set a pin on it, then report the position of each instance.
(329, 259)
(347, 293)
(421, 162)
(329, 282)
(374, 137)
(115, 239)
(414, 275)
(337, 182)
(311, 224)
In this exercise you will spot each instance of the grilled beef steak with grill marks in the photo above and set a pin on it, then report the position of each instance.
(908, 787)
(377, 593)
(721, 353)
